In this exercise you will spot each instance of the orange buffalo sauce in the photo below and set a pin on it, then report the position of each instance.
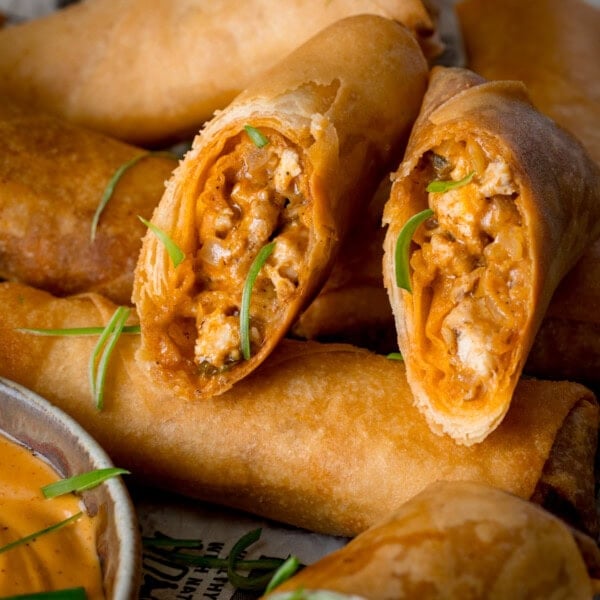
(65, 558)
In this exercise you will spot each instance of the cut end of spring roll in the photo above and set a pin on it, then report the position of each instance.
(513, 203)
(287, 166)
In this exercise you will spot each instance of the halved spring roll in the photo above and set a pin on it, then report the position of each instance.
(149, 76)
(455, 540)
(286, 168)
(514, 201)
(53, 177)
(324, 437)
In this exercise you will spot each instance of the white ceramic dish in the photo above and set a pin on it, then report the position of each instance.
(51, 433)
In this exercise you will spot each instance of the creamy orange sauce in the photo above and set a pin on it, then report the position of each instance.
(62, 559)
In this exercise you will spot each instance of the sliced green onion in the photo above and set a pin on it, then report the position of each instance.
(75, 331)
(31, 537)
(443, 186)
(239, 581)
(175, 252)
(259, 139)
(255, 267)
(114, 180)
(82, 482)
(283, 573)
(268, 566)
(395, 356)
(164, 541)
(103, 349)
(402, 244)
(77, 593)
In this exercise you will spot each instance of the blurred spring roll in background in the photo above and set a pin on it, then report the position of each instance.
(286, 169)
(353, 306)
(554, 48)
(513, 202)
(148, 76)
(324, 437)
(52, 179)
(456, 540)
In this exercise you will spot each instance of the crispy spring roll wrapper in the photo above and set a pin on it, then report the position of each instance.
(353, 306)
(484, 267)
(147, 76)
(324, 437)
(553, 49)
(52, 179)
(455, 540)
(334, 112)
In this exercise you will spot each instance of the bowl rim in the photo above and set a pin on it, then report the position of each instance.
(126, 582)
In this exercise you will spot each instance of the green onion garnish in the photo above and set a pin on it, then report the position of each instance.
(395, 356)
(77, 593)
(402, 245)
(259, 139)
(82, 482)
(443, 186)
(114, 180)
(31, 537)
(75, 331)
(175, 252)
(267, 566)
(239, 581)
(103, 350)
(255, 267)
(285, 571)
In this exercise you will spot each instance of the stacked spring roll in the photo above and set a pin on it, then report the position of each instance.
(456, 540)
(286, 168)
(150, 76)
(513, 202)
(321, 436)
(53, 177)
(353, 306)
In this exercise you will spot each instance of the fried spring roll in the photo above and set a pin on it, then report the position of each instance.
(52, 180)
(324, 437)
(518, 205)
(554, 45)
(455, 540)
(147, 76)
(329, 118)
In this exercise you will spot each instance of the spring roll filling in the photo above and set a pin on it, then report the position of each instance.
(471, 270)
(251, 196)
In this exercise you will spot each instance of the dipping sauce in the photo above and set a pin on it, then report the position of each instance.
(62, 559)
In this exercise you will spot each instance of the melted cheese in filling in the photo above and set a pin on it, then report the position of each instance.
(252, 196)
(62, 559)
(470, 271)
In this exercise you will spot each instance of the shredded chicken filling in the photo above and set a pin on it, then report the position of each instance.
(471, 270)
(252, 196)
